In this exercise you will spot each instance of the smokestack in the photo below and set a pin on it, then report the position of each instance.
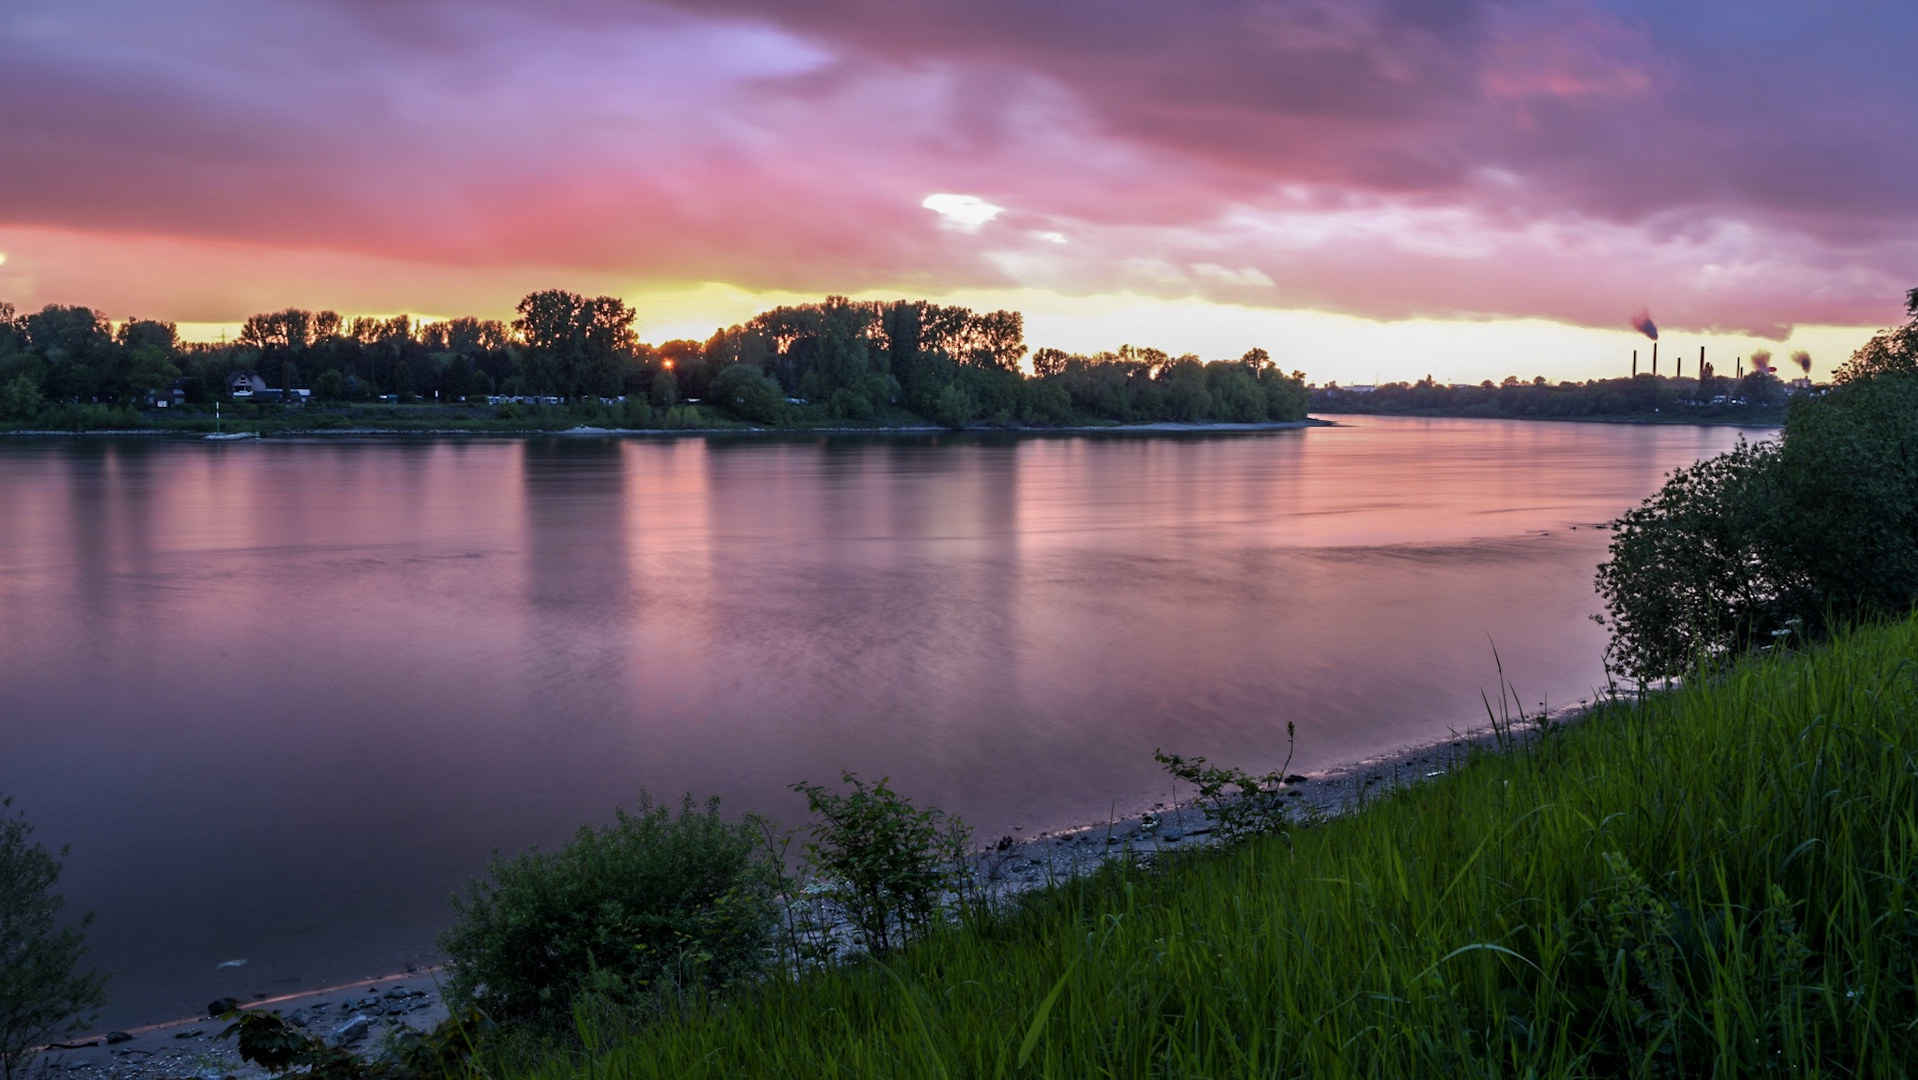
(1634, 363)
(1680, 373)
(1738, 369)
(1701, 361)
(1654, 359)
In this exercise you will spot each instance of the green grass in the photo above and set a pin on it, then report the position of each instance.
(1720, 881)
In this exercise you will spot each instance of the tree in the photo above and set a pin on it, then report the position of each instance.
(1048, 362)
(749, 393)
(43, 992)
(20, 399)
(1889, 351)
(575, 345)
(665, 390)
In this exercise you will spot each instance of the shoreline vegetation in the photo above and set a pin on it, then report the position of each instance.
(568, 360)
(1757, 399)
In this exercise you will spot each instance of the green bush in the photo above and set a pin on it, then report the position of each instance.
(886, 861)
(634, 412)
(1764, 540)
(1691, 574)
(748, 393)
(1239, 804)
(658, 905)
(43, 992)
(954, 407)
(1849, 472)
(665, 390)
(20, 399)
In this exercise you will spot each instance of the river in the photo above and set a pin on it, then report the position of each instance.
(283, 697)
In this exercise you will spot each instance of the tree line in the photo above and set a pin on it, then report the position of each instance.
(1637, 395)
(838, 358)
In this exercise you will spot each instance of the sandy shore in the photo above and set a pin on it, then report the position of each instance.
(367, 1014)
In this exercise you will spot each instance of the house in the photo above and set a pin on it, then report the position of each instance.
(166, 399)
(244, 384)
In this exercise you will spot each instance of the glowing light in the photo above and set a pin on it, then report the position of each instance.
(3, 258)
(668, 365)
(966, 213)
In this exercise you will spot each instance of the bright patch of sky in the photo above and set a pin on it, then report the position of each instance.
(965, 213)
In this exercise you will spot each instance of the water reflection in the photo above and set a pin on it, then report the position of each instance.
(283, 697)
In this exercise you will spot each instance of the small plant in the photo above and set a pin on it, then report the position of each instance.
(1239, 803)
(268, 1040)
(657, 905)
(887, 861)
(43, 992)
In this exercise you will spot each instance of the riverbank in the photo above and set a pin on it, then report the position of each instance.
(748, 431)
(367, 1015)
(1694, 883)
(1764, 419)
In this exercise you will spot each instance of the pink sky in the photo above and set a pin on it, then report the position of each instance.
(1332, 178)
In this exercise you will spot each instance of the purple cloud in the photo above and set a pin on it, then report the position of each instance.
(1739, 166)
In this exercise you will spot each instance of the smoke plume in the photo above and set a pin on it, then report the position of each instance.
(1761, 361)
(1642, 322)
(1803, 360)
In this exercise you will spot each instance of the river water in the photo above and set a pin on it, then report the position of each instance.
(282, 698)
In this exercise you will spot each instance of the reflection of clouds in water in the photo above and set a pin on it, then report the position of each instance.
(418, 653)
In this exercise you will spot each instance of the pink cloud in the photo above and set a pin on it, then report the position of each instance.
(1388, 158)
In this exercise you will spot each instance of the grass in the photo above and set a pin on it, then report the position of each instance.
(1722, 880)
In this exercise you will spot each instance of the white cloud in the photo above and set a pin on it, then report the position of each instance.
(1050, 237)
(1246, 277)
(964, 213)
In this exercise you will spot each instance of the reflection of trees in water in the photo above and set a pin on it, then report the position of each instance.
(111, 490)
(864, 591)
(578, 585)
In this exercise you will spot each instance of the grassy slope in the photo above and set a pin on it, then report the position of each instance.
(1721, 881)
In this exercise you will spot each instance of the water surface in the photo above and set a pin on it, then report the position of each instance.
(283, 697)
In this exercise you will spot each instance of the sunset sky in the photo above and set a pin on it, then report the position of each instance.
(1371, 191)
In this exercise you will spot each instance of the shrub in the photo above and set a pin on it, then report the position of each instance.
(665, 390)
(1849, 474)
(886, 860)
(658, 904)
(43, 992)
(954, 407)
(1691, 574)
(20, 399)
(634, 412)
(850, 404)
(1749, 544)
(1240, 804)
(749, 393)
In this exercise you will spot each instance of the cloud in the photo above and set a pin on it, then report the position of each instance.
(1246, 277)
(964, 213)
(1568, 159)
